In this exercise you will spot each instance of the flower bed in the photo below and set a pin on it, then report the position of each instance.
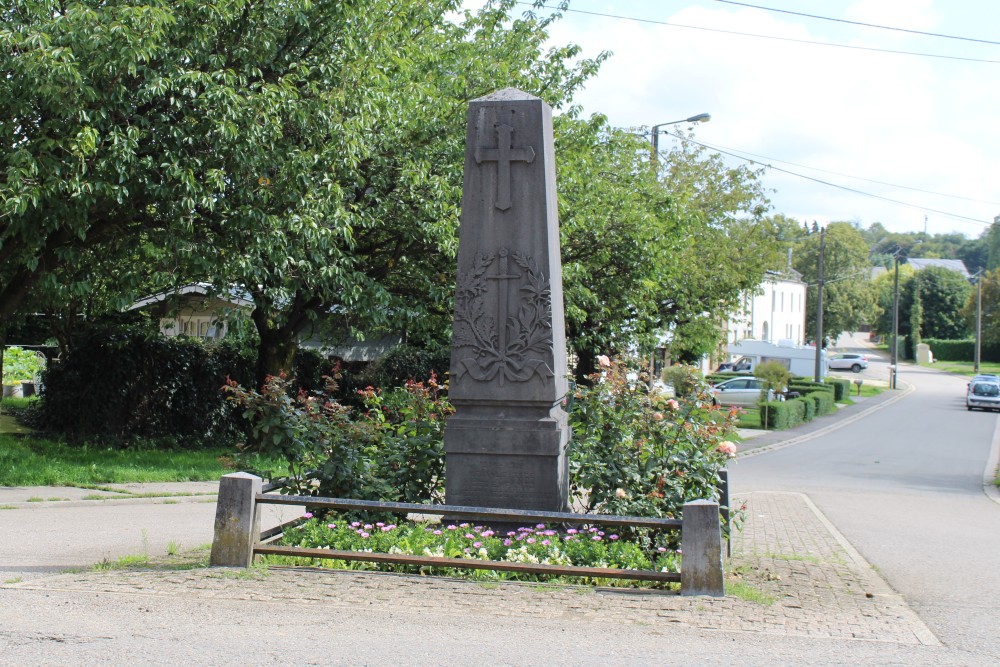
(538, 544)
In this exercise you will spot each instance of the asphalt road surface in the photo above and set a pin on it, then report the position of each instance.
(905, 486)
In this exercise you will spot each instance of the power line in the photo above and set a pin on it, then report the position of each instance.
(861, 178)
(866, 25)
(772, 37)
(956, 216)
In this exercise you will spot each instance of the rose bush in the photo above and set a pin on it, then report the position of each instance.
(635, 452)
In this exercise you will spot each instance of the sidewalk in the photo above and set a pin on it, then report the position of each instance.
(791, 575)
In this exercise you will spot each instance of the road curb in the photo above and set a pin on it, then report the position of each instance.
(880, 586)
(992, 470)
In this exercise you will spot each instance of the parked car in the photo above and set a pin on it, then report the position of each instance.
(848, 361)
(983, 395)
(740, 391)
(985, 377)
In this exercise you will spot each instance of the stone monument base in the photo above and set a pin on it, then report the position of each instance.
(508, 463)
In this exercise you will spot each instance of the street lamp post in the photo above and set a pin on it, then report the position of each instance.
(655, 130)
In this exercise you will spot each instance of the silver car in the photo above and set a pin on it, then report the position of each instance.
(848, 361)
(983, 395)
(740, 391)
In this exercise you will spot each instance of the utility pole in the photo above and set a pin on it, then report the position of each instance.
(819, 310)
(895, 323)
(979, 318)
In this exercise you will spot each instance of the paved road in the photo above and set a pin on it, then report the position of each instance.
(904, 485)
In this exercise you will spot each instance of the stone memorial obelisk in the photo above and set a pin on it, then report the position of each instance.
(506, 444)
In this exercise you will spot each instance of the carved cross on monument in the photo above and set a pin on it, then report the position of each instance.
(503, 155)
(503, 297)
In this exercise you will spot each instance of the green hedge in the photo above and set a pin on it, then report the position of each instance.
(808, 409)
(123, 384)
(824, 402)
(804, 387)
(841, 388)
(786, 414)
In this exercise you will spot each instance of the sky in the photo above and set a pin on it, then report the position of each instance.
(923, 131)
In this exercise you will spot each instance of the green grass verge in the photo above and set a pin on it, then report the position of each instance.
(966, 367)
(26, 461)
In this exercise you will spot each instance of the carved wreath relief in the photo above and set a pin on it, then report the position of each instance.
(503, 345)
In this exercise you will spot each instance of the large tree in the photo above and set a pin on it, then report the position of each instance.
(848, 300)
(943, 294)
(309, 151)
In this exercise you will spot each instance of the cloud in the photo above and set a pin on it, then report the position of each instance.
(921, 122)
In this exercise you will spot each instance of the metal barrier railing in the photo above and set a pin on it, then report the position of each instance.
(238, 537)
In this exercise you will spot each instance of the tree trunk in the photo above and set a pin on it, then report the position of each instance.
(586, 364)
(276, 354)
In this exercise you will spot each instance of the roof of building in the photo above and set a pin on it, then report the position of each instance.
(234, 297)
(956, 265)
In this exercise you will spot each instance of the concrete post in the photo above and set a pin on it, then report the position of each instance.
(701, 550)
(237, 522)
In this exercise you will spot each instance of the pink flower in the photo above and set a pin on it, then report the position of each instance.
(658, 416)
(364, 534)
(672, 404)
(661, 549)
(621, 493)
(307, 515)
(596, 538)
(612, 537)
(727, 448)
(531, 540)
(546, 543)
(477, 544)
(507, 542)
(603, 361)
(331, 526)
(437, 532)
(572, 531)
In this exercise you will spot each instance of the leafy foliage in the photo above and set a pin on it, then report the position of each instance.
(393, 450)
(848, 300)
(124, 384)
(637, 454)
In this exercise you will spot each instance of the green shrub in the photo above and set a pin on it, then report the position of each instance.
(682, 378)
(783, 414)
(635, 453)
(392, 450)
(808, 408)
(823, 400)
(805, 386)
(841, 388)
(21, 365)
(953, 350)
(122, 384)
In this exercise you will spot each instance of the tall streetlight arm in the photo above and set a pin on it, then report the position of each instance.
(655, 130)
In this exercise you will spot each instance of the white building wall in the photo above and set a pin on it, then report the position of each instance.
(776, 311)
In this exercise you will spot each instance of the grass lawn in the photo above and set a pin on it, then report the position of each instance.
(28, 461)
(966, 367)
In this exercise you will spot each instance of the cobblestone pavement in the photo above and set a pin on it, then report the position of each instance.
(791, 574)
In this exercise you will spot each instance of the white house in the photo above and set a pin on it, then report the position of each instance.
(194, 310)
(775, 311)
